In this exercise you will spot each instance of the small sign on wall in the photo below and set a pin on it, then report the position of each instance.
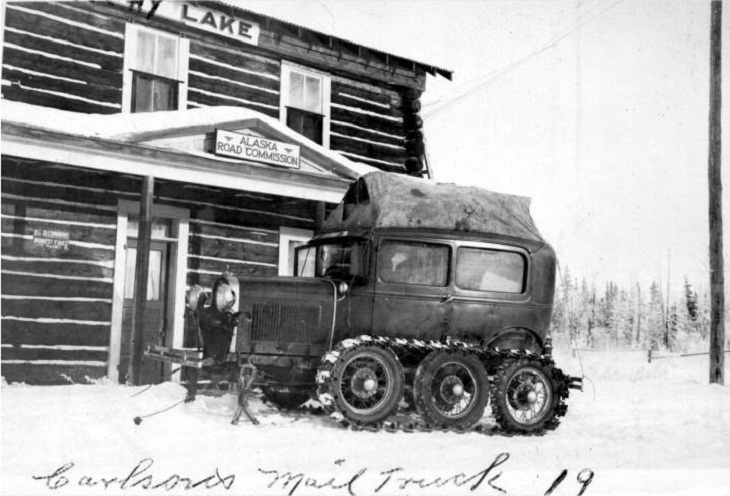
(247, 147)
(51, 238)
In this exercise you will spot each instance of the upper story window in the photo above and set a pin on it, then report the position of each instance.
(155, 70)
(305, 102)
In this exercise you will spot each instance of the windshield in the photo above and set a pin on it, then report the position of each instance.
(343, 258)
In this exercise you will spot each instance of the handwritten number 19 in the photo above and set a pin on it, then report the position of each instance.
(585, 477)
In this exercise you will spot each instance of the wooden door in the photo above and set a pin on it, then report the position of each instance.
(155, 313)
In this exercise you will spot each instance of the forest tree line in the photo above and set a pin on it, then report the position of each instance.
(629, 318)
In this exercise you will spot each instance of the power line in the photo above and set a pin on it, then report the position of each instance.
(494, 74)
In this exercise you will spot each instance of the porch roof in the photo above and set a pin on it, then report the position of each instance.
(169, 145)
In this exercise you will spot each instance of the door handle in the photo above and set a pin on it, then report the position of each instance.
(447, 298)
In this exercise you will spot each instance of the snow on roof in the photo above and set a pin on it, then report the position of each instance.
(398, 201)
(139, 127)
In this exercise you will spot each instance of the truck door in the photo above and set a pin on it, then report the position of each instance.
(490, 290)
(413, 296)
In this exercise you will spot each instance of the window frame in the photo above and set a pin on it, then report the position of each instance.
(287, 235)
(326, 84)
(432, 287)
(131, 36)
(525, 254)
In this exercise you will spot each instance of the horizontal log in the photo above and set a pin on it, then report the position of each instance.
(50, 172)
(43, 374)
(341, 98)
(400, 169)
(296, 210)
(21, 247)
(365, 134)
(54, 333)
(37, 23)
(413, 165)
(18, 353)
(258, 79)
(375, 94)
(227, 200)
(18, 94)
(18, 284)
(242, 235)
(215, 101)
(220, 265)
(255, 63)
(254, 220)
(367, 150)
(90, 91)
(53, 309)
(207, 280)
(20, 209)
(108, 62)
(233, 251)
(61, 68)
(231, 89)
(72, 269)
(52, 191)
(395, 128)
(76, 233)
(79, 15)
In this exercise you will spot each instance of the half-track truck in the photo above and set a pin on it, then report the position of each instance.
(415, 293)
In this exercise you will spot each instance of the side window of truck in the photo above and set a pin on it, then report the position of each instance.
(405, 262)
(490, 270)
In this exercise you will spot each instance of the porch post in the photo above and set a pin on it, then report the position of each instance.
(144, 238)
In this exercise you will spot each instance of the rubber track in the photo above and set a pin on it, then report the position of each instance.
(494, 361)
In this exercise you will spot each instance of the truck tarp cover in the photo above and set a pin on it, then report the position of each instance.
(387, 200)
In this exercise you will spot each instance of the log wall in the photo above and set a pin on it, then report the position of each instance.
(68, 56)
(57, 304)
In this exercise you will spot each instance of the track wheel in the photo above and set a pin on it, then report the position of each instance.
(367, 383)
(525, 397)
(451, 389)
(285, 398)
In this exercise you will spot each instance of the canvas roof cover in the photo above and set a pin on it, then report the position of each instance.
(398, 201)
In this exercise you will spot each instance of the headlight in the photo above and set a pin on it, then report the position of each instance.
(224, 297)
(343, 288)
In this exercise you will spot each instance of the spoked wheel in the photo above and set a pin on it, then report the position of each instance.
(285, 398)
(367, 383)
(451, 389)
(525, 397)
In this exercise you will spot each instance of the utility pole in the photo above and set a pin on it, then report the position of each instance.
(717, 277)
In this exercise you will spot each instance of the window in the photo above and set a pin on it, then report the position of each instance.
(413, 263)
(155, 70)
(289, 240)
(490, 270)
(305, 102)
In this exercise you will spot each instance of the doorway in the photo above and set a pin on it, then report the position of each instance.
(155, 328)
(163, 319)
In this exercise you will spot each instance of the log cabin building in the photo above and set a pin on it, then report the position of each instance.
(216, 137)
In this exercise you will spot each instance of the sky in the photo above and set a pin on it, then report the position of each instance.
(596, 109)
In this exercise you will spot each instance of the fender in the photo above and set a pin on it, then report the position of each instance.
(515, 338)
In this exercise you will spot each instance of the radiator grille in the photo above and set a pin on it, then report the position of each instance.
(288, 323)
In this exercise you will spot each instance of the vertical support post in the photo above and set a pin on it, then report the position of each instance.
(144, 238)
(319, 216)
(717, 278)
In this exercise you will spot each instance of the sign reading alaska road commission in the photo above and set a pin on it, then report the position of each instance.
(250, 147)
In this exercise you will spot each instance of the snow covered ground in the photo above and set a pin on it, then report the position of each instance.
(654, 428)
